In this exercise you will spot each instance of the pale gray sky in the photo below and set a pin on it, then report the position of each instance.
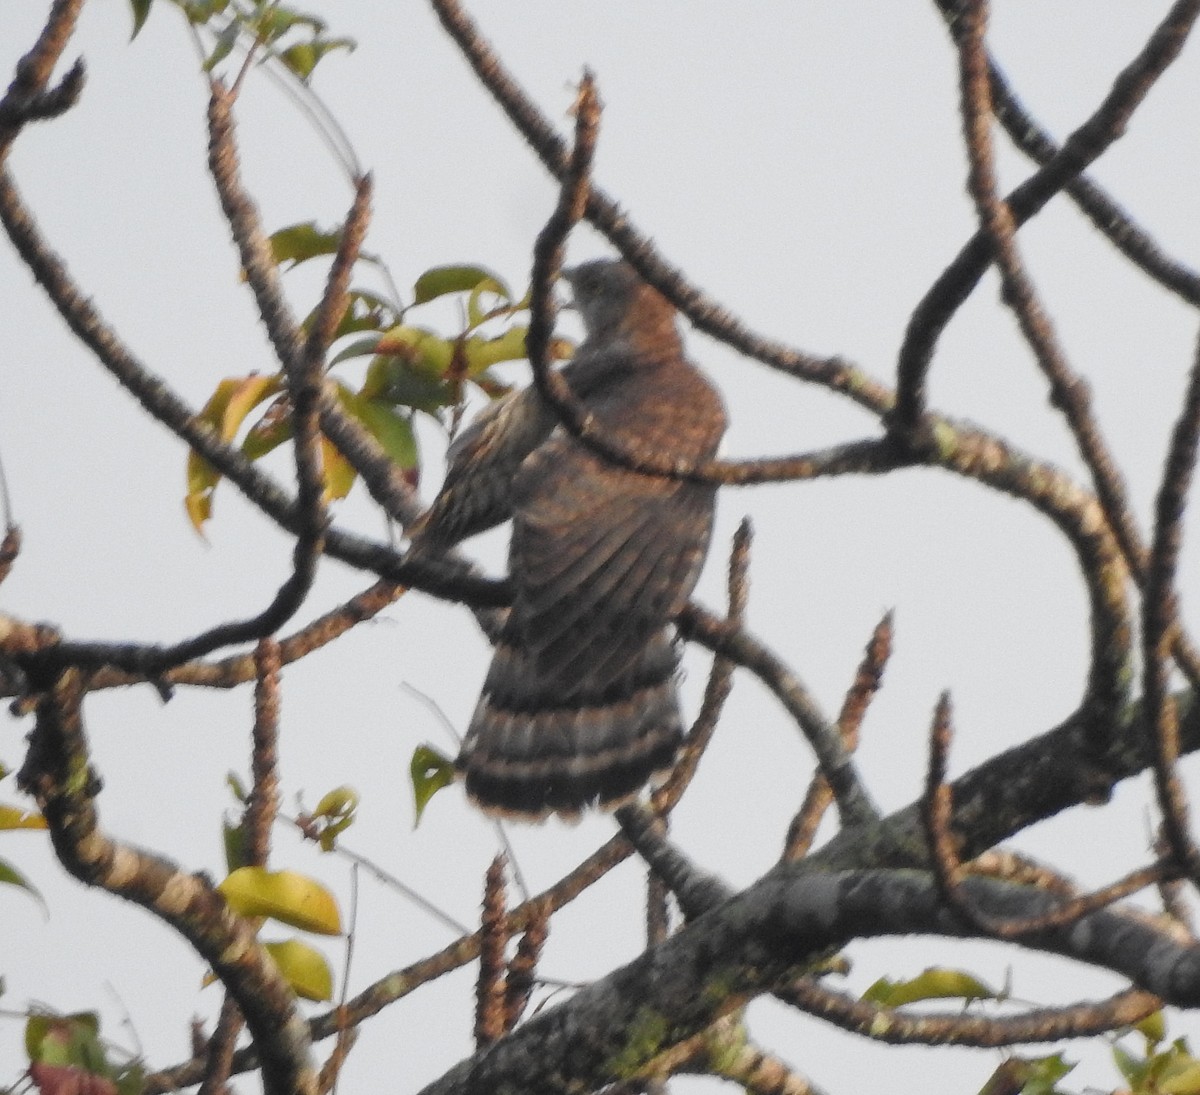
(801, 162)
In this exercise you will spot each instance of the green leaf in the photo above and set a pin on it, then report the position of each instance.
(422, 349)
(360, 347)
(10, 876)
(304, 968)
(430, 772)
(1030, 1076)
(1185, 1080)
(53, 1038)
(1044, 1074)
(302, 58)
(1134, 1069)
(224, 46)
(199, 12)
(276, 20)
(432, 355)
(286, 896)
(1153, 1028)
(442, 280)
(141, 9)
(389, 427)
(269, 432)
(341, 802)
(482, 352)
(393, 381)
(298, 243)
(233, 837)
(935, 983)
(366, 312)
(334, 814)
(476, 313)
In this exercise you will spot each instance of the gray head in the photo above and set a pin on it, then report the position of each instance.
(613, 301)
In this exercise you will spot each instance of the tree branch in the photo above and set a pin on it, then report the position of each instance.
(758, 941)
(58, 773)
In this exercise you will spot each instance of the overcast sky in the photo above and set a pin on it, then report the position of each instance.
(801, 161)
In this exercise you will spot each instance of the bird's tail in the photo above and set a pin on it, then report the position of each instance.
(538, 746)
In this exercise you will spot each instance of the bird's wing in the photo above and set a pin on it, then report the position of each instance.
(602, 558)
(481, 463)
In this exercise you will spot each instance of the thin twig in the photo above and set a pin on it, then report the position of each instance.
(720, 680)
(490, 1003)
(739, 646)
(1082, 1020)
(948, 871)
(518, 984)
(803, 828)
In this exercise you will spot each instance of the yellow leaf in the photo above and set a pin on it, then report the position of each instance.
(338, 472)
(304, 968)
(198, 505)
(247, 393)
(287, 896)
(935, 983)
(226, 409)
(13, 817)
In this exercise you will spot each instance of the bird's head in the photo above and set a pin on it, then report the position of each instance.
(614, 302)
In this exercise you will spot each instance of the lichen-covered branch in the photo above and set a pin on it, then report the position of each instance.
(757, 942)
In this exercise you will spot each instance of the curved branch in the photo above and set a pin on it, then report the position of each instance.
(948, 871)
(27, 97)
(1081, 148)
(1106, 215)
(1161, 623)
(226, 673)
(58, 773)
(704, 312)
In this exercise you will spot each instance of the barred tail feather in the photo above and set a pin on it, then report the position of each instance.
(536, 747)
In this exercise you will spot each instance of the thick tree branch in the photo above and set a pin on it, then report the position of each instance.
(757, 942)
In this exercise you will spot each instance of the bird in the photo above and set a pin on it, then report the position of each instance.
(579, 707)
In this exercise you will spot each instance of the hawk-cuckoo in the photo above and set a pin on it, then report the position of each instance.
(579, 705)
